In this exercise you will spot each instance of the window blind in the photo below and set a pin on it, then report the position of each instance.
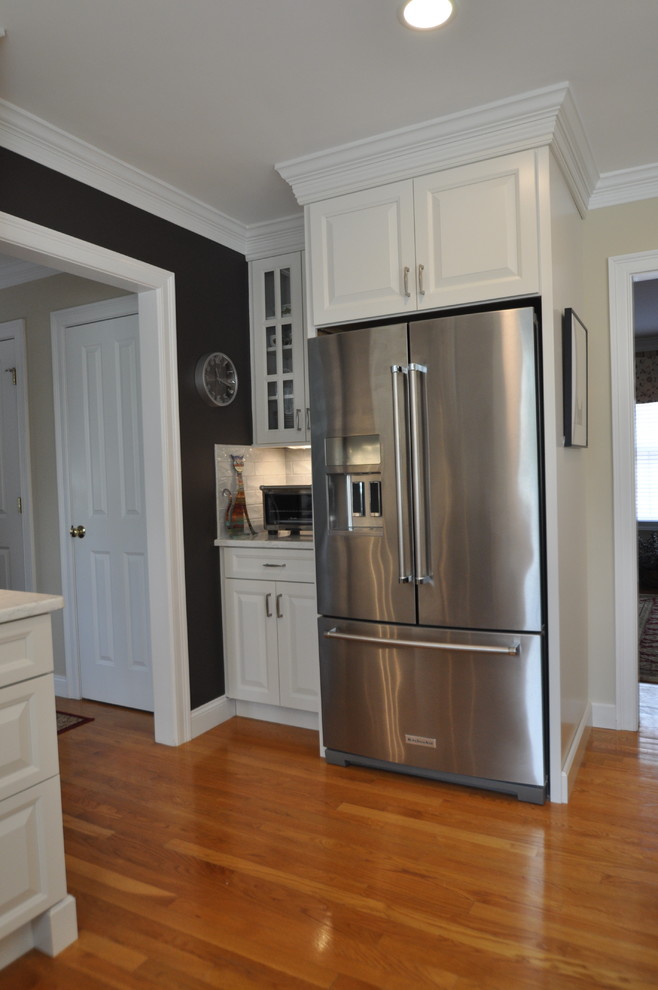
(646, 461)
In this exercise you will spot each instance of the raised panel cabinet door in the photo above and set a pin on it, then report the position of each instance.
(477, 232)
(31, 854)
(362, 254)
(25, 649)
(251, 643)
(28, 751)
(299, 665)
(278, 351)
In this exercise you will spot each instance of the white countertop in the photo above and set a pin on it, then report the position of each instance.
(263, 540)
(23, 604)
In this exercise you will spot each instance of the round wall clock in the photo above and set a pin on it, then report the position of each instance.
(216, 379)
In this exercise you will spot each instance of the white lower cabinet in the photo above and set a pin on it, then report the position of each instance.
(35, 909)
(270, 627)
(31, 853)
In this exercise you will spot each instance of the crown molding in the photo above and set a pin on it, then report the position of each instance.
(283, 236)
(541, 117)
(626, 186)
(40, 141)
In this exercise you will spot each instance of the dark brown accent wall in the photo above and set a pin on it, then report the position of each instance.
(212, 313)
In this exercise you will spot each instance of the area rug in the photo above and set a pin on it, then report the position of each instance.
(66, 721)
(648, 638)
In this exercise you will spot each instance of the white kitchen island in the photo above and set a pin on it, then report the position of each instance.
(35, 909)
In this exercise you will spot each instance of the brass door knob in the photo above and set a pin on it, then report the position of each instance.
(78, 531)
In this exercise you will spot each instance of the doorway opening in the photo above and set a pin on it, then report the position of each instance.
(645, 330)
(624, 271)
(163, 494)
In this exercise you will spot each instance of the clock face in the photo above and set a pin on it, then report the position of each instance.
(216, 379)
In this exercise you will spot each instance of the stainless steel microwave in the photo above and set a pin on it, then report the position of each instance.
(287, 508)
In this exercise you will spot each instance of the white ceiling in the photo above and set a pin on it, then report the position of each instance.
(208, 95)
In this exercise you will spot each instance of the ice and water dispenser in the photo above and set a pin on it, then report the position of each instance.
(354, 483)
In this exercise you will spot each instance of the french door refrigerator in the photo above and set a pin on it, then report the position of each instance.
(427, 504)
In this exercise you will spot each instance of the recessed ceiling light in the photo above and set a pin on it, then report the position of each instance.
(426, 14)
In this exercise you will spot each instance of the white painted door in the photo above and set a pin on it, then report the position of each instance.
(14, 496)
(105, 473)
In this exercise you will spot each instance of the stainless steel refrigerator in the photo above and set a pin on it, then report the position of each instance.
(427, 514)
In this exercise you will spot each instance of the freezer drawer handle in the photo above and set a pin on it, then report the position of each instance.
(404, 577)
(512, 651)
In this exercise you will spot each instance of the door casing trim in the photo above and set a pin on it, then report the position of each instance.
(623, 270)
(15, 330)
(163, 490)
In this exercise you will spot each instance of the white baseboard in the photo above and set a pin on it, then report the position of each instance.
(61, 687)
(604, 716)
(50, 932)
(211, 714)
(56, 928)
(574, 757)
(273, 713)
(15, 945)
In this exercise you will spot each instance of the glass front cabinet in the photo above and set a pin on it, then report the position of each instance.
(280, 407)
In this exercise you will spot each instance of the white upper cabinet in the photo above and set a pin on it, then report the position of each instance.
(360, 244)
(458, 236)
(278, 342)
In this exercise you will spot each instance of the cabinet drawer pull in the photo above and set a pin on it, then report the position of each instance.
(268, 610)
(274, 565)
(406, 280)
(279, 613)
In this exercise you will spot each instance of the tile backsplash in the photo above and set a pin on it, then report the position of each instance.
(262, 466)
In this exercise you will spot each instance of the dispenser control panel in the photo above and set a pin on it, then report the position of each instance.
(354, 483)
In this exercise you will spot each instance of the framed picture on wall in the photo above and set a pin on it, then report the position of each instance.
(574, 360)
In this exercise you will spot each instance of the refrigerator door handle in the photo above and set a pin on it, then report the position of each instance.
(420, 498)
(511, 651)
(404, 577)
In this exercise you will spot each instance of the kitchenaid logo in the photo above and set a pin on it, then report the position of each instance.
(420, 741)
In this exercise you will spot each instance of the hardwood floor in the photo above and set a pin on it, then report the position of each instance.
(241, 860)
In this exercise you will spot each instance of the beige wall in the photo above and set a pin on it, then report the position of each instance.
(34, 302)
(609, 232)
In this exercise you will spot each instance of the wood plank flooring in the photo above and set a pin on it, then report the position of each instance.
(241, 860)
